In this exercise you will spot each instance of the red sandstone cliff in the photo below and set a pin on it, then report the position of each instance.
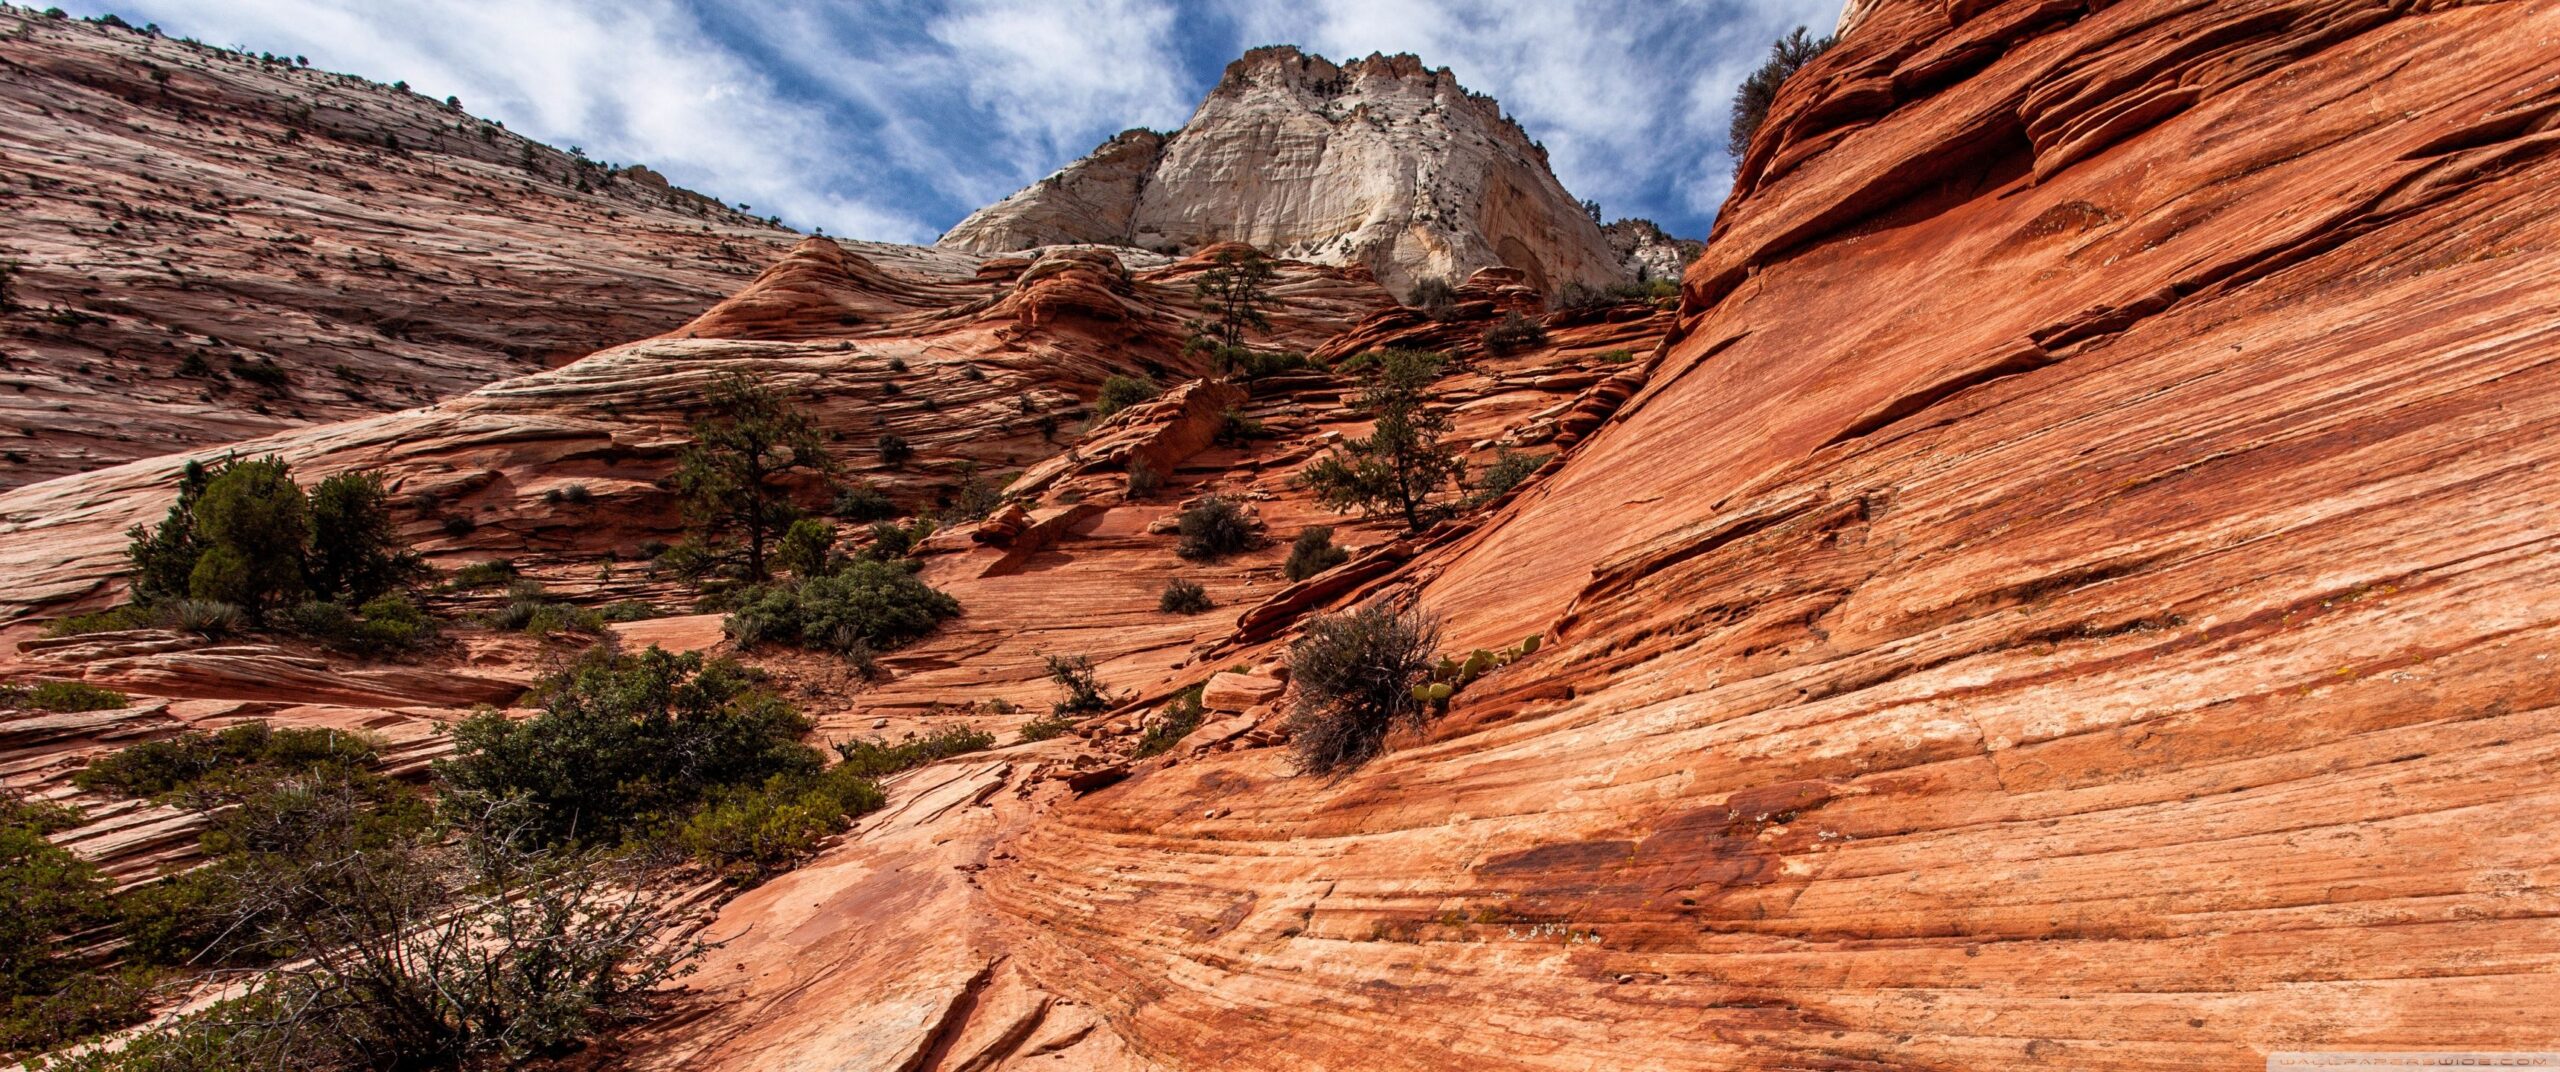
(206, 246)
(2070, 591)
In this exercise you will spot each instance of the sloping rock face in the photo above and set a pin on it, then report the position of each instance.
(206, 246)
(2071, 595)
(1379, 162)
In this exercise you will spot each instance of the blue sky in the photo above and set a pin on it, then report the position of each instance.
(892, 119)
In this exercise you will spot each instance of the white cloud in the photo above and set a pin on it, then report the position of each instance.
(1053, 72)
(889, 118)
(637, 81)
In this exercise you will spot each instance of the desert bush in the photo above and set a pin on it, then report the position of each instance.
(874, 758)
(1181, 715)
(1313, 552)
(1122, 392)
(1434, 296)
(748, 833)
(1213, 528)
(1354, 675)
(1508, 469)
(1143, 480)
(1616, 357)
(1235, 429)
(493, 573)
(482, 953)
(1045, 727)
(808, 549)
(356, 553)
(62, 697)
(48, 894)
(627, 743)
(893, 449)
(862, 503)
(249, 752)
(1182, 597)
(1079, 691)
(1513, 334)
(111, 620)
(243, 533)
(1758, 91)
(869, 604)
(891, 541)
(569, 494)
(971, 498)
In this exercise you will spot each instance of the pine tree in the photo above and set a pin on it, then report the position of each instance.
(1236, 291)
(731, 476)
(1402, 461)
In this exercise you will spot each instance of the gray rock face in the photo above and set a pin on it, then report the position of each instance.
(1380, 162)
(1648, 251)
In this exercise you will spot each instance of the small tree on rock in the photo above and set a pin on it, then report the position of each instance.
(1402, 462)
(731, 476)
(1236, 292)
(1751, 102)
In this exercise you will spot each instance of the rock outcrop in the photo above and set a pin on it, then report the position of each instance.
(206, 245)
(1648, 251)
(1380, 162)
(2065, 598)
(2066, 590)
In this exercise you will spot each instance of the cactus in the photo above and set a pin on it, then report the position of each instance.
(1530, 646)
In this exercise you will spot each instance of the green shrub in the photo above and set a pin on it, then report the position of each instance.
(1513, 334)
(1312, 553)
(1616, 357)
(1045, 727)
(355, 551)
(1180, 716)
(1235, 429)
(894, 449)
(1509, 468)
(1354, 675)
(748, 833)
(247, 751)
(243, 533)
(112, 620)
(47, 894)
(1182, 597)
(1080, 692)
(1143, 480)
(1433, 296)
(493, 573)
(808, 549)
(861, 504)
(629, 610)
(890, 540)
(398, 971)
(1122, 392)
(879, 605)
(1214, 528)
(626, 743)
(62, 697)
(874, 758)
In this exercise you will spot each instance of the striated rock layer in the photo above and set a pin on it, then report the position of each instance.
(205, 246)
(2075, 593)
(1379, 162)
